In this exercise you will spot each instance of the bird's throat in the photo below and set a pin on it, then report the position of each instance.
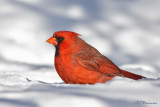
(57, 50)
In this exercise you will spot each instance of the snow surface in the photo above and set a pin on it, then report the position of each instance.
(126, 31)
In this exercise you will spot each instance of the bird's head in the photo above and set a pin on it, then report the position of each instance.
(63, 40)
(62, 37)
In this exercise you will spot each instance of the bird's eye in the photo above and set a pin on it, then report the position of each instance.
(61, 38)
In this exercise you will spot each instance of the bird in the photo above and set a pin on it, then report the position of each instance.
(77, 62)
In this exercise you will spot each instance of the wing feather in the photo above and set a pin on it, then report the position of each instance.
(97, 62)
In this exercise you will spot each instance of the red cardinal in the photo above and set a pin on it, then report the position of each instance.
(77, 62)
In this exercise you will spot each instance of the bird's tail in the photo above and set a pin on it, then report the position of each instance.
(131, 75)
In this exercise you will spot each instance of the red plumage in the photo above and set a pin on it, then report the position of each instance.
(77, 62)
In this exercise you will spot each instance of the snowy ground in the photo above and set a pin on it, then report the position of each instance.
(128, 32)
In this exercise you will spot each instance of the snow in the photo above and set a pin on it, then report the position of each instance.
(127, 32)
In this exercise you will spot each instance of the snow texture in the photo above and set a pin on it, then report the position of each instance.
(126, 31)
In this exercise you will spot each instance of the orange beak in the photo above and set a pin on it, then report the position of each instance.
(52, 40)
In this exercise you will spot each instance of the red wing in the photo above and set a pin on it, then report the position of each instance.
(107, 66)
(87, 62)
(97, 63)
